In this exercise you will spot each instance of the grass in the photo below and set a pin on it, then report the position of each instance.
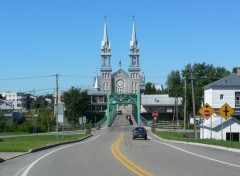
(24, 144)
(183, 137)
(12, 133)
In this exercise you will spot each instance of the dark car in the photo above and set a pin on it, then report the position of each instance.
(119, 112)
(140, 132)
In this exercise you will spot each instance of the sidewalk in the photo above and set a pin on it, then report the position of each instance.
(8, 155)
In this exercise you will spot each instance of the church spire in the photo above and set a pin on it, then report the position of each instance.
(105, 41)
(134, 42)
(96, 86)
(134, 37)
(105, 34)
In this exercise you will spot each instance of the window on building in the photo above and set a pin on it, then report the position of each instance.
(221, 96)
(237, 99)
(104, 87)
(107, 86)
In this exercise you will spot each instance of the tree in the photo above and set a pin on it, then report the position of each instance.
(76, 102)
(174, 84)
(202, 74)
(3, 121)
(40, 102)
(150, 88)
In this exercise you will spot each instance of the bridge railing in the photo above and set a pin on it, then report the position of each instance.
(102, 121)
(144, 121)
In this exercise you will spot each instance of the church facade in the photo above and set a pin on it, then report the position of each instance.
(121, 81)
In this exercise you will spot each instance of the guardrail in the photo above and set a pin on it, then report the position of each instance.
(166, 125)
(101, 122)
(144, 121)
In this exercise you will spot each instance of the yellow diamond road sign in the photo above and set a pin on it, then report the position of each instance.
(226, 111)
(206, 111)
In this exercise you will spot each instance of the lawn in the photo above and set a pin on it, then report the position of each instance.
(183, 137)
(12, 133)
(24, 144)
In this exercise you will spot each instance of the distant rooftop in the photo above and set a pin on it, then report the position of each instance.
(232, 80)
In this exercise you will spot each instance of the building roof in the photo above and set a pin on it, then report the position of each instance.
(217, 125)
(160, 100)
(120, 70)
(96, 92)
(232, 80)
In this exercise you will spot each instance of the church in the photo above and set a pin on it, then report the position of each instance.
(121, 81)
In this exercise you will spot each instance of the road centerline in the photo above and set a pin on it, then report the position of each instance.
(127, 162)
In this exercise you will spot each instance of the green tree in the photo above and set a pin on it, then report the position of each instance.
(40, 102)
(3, 121)
(201, 74)
(150, 88)
(174, 84)
(76, 102)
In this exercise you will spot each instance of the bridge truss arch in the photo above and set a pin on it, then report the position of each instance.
(122, 99)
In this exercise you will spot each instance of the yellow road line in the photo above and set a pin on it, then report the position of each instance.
(125, 161)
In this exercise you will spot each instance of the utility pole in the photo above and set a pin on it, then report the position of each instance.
(194, 111)
(57, 105)
(185, 102)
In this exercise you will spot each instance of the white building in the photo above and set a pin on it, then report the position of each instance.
(216, 94)
(20, 101)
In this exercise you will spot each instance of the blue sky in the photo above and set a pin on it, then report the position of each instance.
(40, 38)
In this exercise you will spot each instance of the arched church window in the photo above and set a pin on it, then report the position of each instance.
(134, 62)
(105, 61)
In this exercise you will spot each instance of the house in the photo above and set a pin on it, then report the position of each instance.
(6, 109)
(216, 94)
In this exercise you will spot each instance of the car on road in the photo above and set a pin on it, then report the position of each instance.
(140, 132)
(119, 112)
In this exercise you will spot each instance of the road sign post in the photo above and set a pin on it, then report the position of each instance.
(226, 111)
(206, 111)
(155, 116)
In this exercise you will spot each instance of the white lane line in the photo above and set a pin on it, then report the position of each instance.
(201, 156)
(33, 163)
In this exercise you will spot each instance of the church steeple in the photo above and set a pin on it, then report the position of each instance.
(134, 68)
(134, 50)
(106, 69)
(134, 36)
(96, 87)
(105, 41)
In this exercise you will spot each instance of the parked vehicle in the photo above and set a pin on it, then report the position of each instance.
(140, 132)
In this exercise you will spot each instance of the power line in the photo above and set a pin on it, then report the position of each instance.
(30, 77)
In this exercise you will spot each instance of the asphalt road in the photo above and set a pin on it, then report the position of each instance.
(113, 152)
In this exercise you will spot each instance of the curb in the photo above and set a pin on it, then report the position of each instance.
(46, 147)
(199, 144)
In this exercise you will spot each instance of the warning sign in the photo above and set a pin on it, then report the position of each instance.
(206, 111)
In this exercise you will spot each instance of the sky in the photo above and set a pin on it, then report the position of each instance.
(42, 38)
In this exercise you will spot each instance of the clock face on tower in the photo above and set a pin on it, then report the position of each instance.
(120, 83)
